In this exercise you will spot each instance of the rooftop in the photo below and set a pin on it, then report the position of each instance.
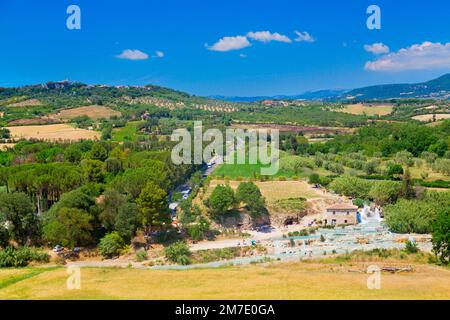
(342, 206)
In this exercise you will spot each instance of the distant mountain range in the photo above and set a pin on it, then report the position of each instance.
(313, 95)
(438, 89)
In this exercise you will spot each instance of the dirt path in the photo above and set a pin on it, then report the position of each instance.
(117, 263)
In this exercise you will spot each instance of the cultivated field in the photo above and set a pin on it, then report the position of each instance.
(307, 130)
(236, 171)
(26, 103)
(127, 133)
(429, 117)
(245, 170)
(370, 110)
(276, 190)
(94, 112)
(273, 281)
(33, 121)
(53, 132)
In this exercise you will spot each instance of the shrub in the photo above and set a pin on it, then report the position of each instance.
(411, 216)
(314, 178)
(433, 184)
(111, 245)
(441, 236)
(221, 199)
(325, 181)
(303, 232)
(411, 247)
(249, 193)
(424, 175)
(394, 169)
(178, 253)
(351, 186)
(429, 157)
(69, 227)
(141, 255)
(295, 164)
(442, 166)
(383, 192)
(291, 205)
(370, 167)
(205, 256)
(197, 230)
(318, 161)
(404, 157)
(21, 257)
(334, 167)
(177, 196)
(359, 202)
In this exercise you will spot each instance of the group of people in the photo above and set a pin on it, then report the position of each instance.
(244, 243)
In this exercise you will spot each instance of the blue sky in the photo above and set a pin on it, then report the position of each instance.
(179, 46)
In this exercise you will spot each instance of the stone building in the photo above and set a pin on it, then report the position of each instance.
(341, 213)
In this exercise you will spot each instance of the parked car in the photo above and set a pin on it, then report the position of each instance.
(264, 228)
(58, 248)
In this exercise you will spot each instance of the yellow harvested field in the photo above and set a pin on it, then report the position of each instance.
(94, 112)
(276, 190)
(429, 117)
(272, 281)
(368, 109)
(53, 132)
(4, 146)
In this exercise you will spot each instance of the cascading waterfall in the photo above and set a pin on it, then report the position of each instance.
(367, 215)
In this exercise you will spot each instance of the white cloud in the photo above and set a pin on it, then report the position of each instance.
(304, 37)
(230, 43)
(133, 55)
(242, 41)
(267, 36)
(159, 54)
(427, 55)
(242, 55)
(377, 48)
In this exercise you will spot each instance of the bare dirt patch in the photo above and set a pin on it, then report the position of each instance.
(53, 132)
(94, 112)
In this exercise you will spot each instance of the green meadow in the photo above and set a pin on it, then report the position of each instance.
(127, 133)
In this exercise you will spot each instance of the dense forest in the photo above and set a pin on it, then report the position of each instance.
(83, 191)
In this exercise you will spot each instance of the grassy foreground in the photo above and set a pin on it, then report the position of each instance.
(275, 281)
